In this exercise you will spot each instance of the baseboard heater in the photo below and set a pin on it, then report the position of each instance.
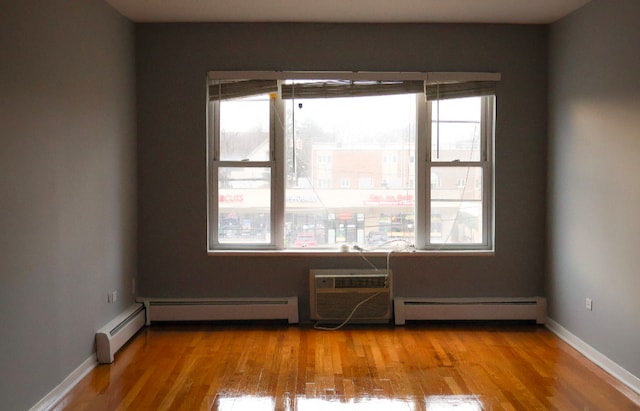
(534, 308)
(213, 309)
(111, 337)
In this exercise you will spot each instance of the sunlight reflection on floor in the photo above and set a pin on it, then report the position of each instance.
(301, 403)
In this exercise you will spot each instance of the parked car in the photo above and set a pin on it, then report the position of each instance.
(305, 240)
(377, 238)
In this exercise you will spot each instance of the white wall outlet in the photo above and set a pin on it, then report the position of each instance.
(588, 303)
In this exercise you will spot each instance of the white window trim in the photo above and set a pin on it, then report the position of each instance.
(432, 77)
(487, 164)
(277, 159)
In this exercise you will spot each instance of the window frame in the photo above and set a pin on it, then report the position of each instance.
(274, 163)
(277, 159)
(486, 163)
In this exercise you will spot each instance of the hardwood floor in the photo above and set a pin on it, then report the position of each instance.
(426, 366)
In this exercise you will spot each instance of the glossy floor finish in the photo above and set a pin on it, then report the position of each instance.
(264, 367)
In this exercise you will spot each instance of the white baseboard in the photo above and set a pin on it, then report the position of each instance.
(66, 385)
(595, 356)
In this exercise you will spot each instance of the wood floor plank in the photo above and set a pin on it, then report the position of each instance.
(419, 367)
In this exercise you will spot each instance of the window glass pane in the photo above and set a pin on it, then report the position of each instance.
(350, 173)
(455, 129)
(244, 205)
(244, 128)
(456, 205)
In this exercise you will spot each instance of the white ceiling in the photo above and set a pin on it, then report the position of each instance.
(343, 11)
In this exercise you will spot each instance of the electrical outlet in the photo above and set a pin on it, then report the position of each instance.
(588, 303)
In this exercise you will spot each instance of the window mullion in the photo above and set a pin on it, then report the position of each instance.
(245, 164)
(458, 164)
(213, 156)
(487, 203)
(488, 183)
(278, 176)
(423, 167)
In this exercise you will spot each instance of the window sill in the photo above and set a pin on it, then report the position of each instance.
(351, 253)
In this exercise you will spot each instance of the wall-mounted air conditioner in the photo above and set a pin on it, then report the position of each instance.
(336, 293)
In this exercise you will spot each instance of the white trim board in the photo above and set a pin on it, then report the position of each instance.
(625, 377)
(436, 77)
(66, 385)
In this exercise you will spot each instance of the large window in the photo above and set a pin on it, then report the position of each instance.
(315, 161)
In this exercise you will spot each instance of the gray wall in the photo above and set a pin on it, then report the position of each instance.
(594, 183)
(67, 184)
(172, 62)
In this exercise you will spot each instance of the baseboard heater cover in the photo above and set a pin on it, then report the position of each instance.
(213, 309)
(111, 337)
(534, 308)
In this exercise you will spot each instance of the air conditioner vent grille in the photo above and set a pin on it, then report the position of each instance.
(361, 282)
